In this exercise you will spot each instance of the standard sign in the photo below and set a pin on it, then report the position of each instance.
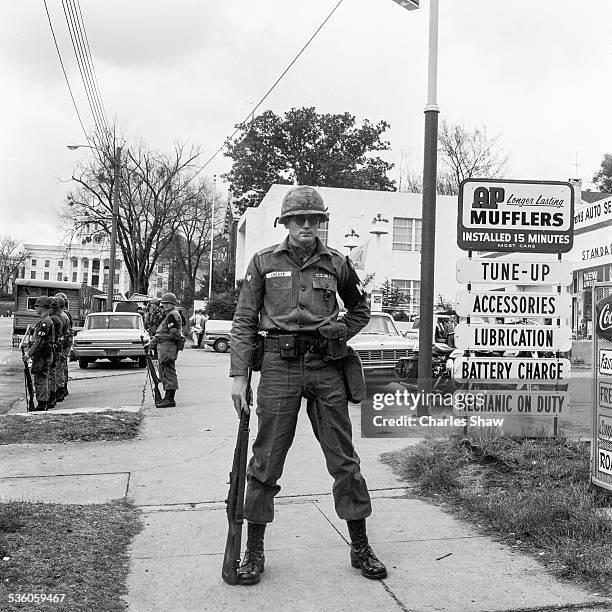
(605, 360)
(604, 428)
(502, 215)
(514, 272)
(513, 337)
(498, 368)
(506, 304)
(526, 403)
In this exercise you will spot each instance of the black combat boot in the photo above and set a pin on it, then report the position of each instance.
(41, 407)
(253, 563)
(168, 401)
(51, 402)
(59, 394)
(362, 555)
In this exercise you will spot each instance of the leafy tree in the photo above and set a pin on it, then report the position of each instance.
(603, 177)
(222, 306)
(469, 153)
(307, 148)
(11, 259)
(443, 304)
(391, 295)
(155, 192)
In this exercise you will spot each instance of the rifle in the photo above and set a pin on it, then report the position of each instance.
(235, 497)
(153, 376)
(29, 386)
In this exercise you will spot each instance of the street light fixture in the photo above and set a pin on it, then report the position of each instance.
(428, 215)
(115, 212)
(351, 240)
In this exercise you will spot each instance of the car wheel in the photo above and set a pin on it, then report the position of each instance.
(83, 363)
(142, 362)
(221, 346)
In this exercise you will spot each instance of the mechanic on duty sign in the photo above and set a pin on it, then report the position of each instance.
(526, 216)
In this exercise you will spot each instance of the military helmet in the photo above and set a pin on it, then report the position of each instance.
(62, 295)
(170, 298)
(58, 301)
(43, 301)
(302, 200)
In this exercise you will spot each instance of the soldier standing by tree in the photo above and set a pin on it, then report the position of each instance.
(41, 351)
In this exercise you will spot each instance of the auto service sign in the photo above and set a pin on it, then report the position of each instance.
(513, 272)
(509, 304)
(519, 216)
(470, 336)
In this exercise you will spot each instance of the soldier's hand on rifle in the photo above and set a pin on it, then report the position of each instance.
(239, 394)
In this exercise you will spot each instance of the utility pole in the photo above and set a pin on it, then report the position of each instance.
(212, 236)
(113, 242)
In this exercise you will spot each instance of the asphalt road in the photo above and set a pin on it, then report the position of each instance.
(104, 384)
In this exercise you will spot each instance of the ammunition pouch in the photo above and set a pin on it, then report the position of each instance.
(333, 344)
(257, 353)
(353, 376)
(287, 346)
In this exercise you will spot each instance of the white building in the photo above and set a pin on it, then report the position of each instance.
(394, 256)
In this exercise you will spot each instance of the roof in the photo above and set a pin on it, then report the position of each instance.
(594, 196)
(31, 282)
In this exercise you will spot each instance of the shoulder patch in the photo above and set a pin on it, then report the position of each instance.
(335, 252)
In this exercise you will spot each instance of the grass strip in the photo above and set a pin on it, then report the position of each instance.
(80, 551)
(531, 494)
(46, 428)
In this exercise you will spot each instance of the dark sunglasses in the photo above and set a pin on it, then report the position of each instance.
(301, 219)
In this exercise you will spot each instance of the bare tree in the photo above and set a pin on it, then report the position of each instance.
(155, 189)
(470, 153)
(10, 261)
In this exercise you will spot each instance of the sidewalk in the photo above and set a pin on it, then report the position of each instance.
(176, 472)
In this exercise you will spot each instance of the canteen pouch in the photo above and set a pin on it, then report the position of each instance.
(354, 379)
(257, 353)
(287, 346)
(333, 346)
(180, 345)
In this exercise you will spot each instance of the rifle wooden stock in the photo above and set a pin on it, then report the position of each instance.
(235, 497)
(28, 383)
(155, 382)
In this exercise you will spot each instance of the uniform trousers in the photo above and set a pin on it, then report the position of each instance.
(167, 352)
(282, 385)
(55, 371)
(41, 365)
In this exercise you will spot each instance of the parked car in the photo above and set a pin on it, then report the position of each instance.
(218, 335)
(380, 346)
(111, 335)
(412, 331)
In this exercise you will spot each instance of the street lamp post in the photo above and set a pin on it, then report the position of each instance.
(115, 215)
(351, 241)
(212, 236)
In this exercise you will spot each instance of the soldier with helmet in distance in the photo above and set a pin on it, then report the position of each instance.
(289, 294)
(41, 351)
(62, 390)
(168, 340)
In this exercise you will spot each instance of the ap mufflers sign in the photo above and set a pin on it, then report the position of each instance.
(603, 318)
(525, 216)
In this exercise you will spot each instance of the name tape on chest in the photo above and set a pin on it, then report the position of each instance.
(277, 274)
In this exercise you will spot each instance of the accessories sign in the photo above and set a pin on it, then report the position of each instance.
(506, 304)
(524, 216)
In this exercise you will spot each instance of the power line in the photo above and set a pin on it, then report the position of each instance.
(252, 111)
(64, 71)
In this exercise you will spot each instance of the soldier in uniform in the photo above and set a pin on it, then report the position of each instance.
(289, 294)
(62, 391)
(41, 351)
(59, 327)
(168, 340)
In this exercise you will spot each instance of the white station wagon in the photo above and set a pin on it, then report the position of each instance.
(113, 336)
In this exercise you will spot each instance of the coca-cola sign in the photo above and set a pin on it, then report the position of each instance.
(603, 310)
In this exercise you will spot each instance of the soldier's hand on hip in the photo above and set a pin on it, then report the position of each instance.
(239, 391)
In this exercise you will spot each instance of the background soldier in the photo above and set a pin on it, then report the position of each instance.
(55, 369)
(289, 292)
(41, 351)
(62, 391)
(168, 340)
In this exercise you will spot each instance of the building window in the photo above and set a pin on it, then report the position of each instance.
(60, 263)
(85, 263)
(47, 263)
(33, 264)
(160, 269)
(32, 273)
(46, 276)
(406, 234)
(323, 232)
(411, 290)
(158, 281)
(74, 277)
(85, 277)
(59, 276)
(74, 261)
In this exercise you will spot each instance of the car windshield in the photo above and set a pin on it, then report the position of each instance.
(380, 325)
(114, 322)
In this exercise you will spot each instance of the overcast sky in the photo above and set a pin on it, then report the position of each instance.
(536, 73)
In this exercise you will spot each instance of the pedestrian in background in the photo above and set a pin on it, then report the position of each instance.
(198, 327)
(62, 391)
(289, 293)
(60, 326)
(41, 351)
(168, 341)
